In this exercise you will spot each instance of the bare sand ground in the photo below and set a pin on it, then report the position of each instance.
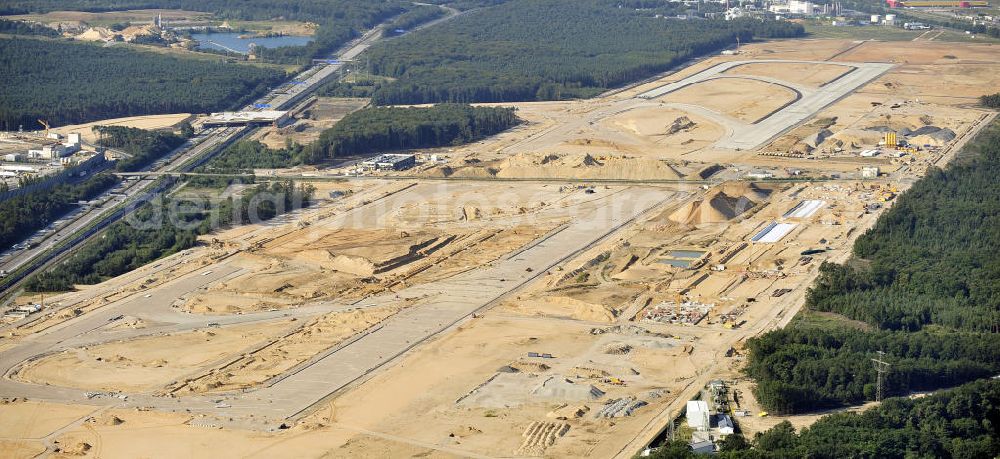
(806, 74)
(320, 115)
(304, 342)
(747, 100)
(475, 390)
(146, 364)
(31, 419)
(142, 122)
(17, 449)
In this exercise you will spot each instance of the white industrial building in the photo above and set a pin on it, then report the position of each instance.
(726, 426)
(261, 118)
(795, 7)
(697, 415)
(56, 151)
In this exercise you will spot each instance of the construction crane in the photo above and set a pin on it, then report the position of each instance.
(46, 124)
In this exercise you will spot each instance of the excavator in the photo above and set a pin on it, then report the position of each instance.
(46, 124)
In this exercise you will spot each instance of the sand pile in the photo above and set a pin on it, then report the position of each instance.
(857, 138)
(585, 166)
(129, 322)
(566, 411)
(627, 330)
(107, 420)
(617, 349)
(716, 207)
(470, 213)
(682, 123)
(929, 135)
(359, 266)
(96, 34)
(79, 449)
(815, 139)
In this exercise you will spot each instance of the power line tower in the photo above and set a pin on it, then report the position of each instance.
(881, 367)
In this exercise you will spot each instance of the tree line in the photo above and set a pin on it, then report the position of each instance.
(811, 365)
(932, 258)
(418, 15)
(143, 145)
(394, 128)
(990, 100)
(246, 155)
(26, 28)
(69, 83)
(545, 50)
(22, 216)
(960, 423)
(339, 20)
(925, 279)
(165, 227)
(370, 130)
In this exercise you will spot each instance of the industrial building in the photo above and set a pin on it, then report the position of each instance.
(389, 162)
(56, 151)
(937, 3)
(261, 118)
(697, 415)
(869, 172)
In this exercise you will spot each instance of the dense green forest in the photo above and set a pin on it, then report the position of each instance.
(547, 49)
(68, 83)
(21, 216)
(926, 282)
(463, 5)
(415, 17)
(958, 423)
(246, 155)
(339, 20)
(813, 364)
(930, 260)
(391, 128)
(26, 28)
(165, 227)
(144, 146)
(990, 100)
(355, 85)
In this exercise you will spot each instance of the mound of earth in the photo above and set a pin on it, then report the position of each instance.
(585, 166)
(814, 140)
(680, 124)
(935, 137)
(79, 449)
(857, 138)
(716, 207)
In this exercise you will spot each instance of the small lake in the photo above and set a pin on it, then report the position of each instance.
(676, 263)
(233, 42)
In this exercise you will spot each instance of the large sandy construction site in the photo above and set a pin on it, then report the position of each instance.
(559, 290)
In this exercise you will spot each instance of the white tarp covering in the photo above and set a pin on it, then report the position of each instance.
(805, 209)
(773, 232)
